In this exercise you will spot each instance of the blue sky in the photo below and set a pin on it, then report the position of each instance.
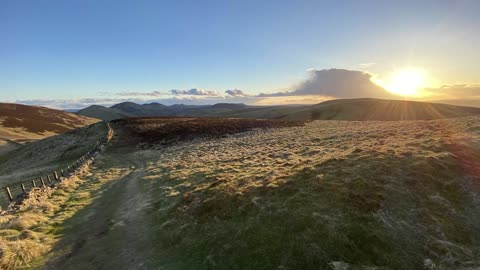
(65, 51)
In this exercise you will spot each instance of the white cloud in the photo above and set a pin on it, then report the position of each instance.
(366, 65)
(194, 92)
(139, 94)
(236, 93)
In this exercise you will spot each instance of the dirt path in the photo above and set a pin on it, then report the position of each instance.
(109, 232)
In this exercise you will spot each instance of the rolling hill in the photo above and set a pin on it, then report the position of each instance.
(341, 109)
(104, 113)
(22, 123)
(366, 109)
(323, 195)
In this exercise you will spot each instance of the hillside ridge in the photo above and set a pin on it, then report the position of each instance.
(360, 109)
(24, 123)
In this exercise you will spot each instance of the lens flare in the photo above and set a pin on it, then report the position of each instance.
(406, 82)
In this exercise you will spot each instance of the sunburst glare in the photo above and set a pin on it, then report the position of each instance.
(406, 82)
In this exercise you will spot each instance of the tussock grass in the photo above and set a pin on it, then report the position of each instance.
(20, 254)
(26, 235)
(27, 221)
(8, 233)
(331, 195)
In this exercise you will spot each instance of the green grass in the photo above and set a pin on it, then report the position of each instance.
(326, 214)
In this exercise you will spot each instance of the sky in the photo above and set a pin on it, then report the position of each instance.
(71, 54)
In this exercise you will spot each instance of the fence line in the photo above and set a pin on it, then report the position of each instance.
(16, 191)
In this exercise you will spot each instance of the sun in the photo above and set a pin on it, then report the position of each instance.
(406, 82)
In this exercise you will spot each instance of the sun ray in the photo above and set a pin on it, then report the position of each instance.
(406, 82)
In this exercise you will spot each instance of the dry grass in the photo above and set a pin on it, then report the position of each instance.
(327, 195)
(20, 254)
(354, 194)
(27, 221)
(27, 234)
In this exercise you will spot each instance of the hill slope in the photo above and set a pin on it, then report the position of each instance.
(22, 123)
(380, 109)
(327, 195)
(28, 160)
(104, 113)
(7, 145)
(340, 109)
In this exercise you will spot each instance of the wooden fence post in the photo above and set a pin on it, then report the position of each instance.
(70, 169)
(9, 194)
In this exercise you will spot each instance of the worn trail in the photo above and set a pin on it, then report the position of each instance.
(107, 233)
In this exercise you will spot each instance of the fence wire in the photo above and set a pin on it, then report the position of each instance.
(14, 191)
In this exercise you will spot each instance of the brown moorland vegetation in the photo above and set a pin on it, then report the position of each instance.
(23, 123)
(167, 130)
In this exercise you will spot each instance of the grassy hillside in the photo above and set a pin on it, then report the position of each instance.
(22, 123)
(101, 112)
(325, 195)
(130, 109)
(7, 146)
(42, 156)
(379, 109)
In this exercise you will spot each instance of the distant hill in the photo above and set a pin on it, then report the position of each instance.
(104, 113)
(340, 109)
(130, 109)
(228, 106)
(380, 109)
(22, 123)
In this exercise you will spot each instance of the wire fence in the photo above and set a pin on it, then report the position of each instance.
(16, 191)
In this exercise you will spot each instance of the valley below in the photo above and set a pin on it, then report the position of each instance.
(193, 193)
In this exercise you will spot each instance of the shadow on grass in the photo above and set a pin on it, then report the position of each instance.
(372, 209)
(94, 237)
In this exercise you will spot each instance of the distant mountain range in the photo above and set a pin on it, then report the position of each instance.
(341, 109)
